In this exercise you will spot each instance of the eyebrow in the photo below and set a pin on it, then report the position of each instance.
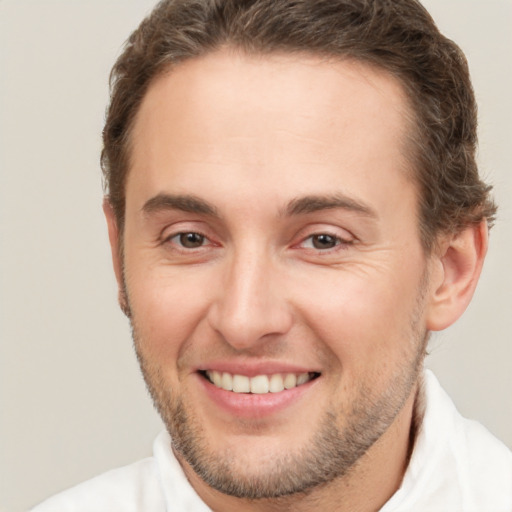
(315, 203)
(299, 206)
(185, 203)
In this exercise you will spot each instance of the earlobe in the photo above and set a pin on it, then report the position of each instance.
(116, 249)
(456, 270)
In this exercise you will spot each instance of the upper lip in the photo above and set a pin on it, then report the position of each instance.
(252, 369)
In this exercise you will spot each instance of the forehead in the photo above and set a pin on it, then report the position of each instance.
(285, 124)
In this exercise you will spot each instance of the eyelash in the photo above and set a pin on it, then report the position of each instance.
(179, 244)
(339, 243)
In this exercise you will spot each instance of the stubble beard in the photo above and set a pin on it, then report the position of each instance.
(331, 453)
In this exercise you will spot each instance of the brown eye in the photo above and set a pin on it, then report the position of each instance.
(191, 240)
(324, 241)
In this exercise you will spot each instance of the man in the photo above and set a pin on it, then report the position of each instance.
(293, 206)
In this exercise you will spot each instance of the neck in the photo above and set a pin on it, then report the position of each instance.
(366, 488)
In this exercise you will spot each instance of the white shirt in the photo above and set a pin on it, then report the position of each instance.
(456, 466)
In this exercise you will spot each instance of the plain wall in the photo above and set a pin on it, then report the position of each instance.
(72, 403)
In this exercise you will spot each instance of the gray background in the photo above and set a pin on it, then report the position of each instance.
(72, 403)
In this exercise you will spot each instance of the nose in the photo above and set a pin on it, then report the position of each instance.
(251, 307)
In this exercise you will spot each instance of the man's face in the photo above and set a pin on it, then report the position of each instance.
(272, 241)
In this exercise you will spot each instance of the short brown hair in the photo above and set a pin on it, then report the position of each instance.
(398, 36)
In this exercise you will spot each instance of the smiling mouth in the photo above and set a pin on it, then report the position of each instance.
(260, 384)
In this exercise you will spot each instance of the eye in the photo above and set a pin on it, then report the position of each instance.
(322, 241)
(188, 240)
(325, 242)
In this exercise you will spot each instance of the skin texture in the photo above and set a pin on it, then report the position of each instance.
(258, 156)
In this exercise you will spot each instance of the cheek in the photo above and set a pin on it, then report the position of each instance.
(361, 317)
(167, 308)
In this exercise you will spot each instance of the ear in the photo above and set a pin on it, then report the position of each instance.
(116, 249)
(455, 273)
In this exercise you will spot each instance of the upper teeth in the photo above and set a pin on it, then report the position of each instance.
(260, 384)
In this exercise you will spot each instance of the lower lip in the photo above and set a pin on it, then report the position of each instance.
(253, 405)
